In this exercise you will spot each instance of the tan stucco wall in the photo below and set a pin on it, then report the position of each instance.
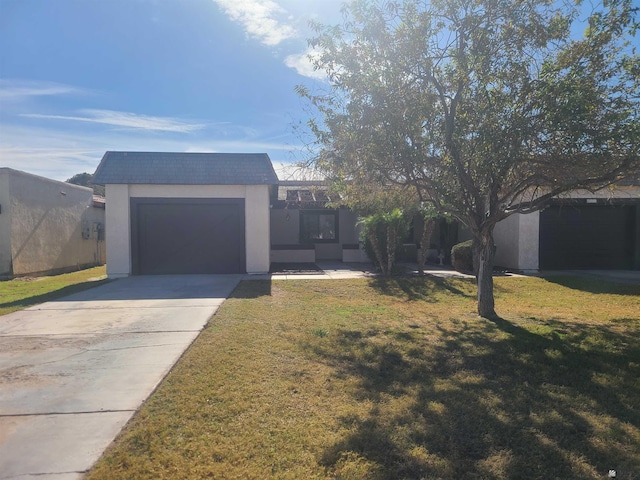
(47, 218)
(118, 218)
(5, 223)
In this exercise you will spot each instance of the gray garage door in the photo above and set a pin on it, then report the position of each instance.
(587, 237)
(186, 236)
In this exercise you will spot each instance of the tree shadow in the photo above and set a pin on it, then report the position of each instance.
(593, 285)
(252, 289)
(53, 295)
(490, 399)
(417, 288)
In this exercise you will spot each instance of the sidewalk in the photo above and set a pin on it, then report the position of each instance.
(333, 270)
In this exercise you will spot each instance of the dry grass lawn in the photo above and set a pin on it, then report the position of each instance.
(25, 292)
(398, 379)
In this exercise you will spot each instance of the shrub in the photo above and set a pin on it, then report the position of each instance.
(462, 256)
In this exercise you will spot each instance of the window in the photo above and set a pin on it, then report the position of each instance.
(318, 226)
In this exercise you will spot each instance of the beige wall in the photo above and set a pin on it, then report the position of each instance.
(118, 218)
(5, 223)
(46, 224)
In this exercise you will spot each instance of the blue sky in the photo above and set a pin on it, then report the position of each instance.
(79, 77)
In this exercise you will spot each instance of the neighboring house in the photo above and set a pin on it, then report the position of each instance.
(47, 226)
(229, 213)
(581, 230)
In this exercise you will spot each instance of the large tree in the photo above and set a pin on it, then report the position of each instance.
(485, 107)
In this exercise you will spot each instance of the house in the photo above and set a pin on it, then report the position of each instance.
(582, 230)
(229, 213)
(304, 229)
(47, 226)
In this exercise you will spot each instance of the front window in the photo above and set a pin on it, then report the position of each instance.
(318, 226)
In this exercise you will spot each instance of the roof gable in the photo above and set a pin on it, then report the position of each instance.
(165, 168)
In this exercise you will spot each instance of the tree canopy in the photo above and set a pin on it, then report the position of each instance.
(86, 180)
(484, 107)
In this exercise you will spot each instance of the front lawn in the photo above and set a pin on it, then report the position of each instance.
(398, 379)
(25, 292)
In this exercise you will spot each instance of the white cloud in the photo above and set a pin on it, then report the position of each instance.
(125, 119)
(303, 63)
(258, 17)
(60, 154)
(20, 89)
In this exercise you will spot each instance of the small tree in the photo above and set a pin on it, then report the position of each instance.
(382, 230)
(486, 108)
(428, 215)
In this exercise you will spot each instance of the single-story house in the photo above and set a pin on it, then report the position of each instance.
(583, 230)
(229, 213)
(47, 226)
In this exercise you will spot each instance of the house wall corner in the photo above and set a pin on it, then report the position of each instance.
(118, 232)
(257, 228)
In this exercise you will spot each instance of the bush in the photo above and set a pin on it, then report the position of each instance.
(462, 257)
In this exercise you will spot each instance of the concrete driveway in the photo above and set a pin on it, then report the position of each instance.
(73, 371)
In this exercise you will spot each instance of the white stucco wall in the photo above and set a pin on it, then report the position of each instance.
(517, 241)
(258, 233)
(118, 233)
(506, 237)
(256, 209)
(46, 220)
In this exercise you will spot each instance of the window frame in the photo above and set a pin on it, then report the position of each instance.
(306, 240)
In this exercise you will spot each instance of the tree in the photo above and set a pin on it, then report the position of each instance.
(485, 107)
(86, 180)
(382, 230)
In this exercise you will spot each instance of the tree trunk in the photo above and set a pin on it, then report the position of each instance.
(427, 231)
(377, 251)
(485, 254)
(391, 248)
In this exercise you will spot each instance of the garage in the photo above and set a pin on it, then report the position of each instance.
(589, 236)
(187, 236)
(186, 212)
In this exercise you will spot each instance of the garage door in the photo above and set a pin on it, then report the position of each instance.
(182, 236)
(587, 237)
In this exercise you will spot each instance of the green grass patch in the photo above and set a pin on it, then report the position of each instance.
(398, 379)
(25, 292)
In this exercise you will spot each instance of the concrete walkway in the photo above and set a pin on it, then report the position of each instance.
(73, 371)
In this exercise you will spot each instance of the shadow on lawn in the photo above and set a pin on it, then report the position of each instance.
(489, 399)
(414, 290)
(252, 289)
(593, 285)
(53, 295)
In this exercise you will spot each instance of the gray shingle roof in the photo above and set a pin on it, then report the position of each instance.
(163, 168)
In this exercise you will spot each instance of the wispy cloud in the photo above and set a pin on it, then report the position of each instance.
(59, 154)
(11, 89)
(303, 63)
(259, 19)
(125, 119)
